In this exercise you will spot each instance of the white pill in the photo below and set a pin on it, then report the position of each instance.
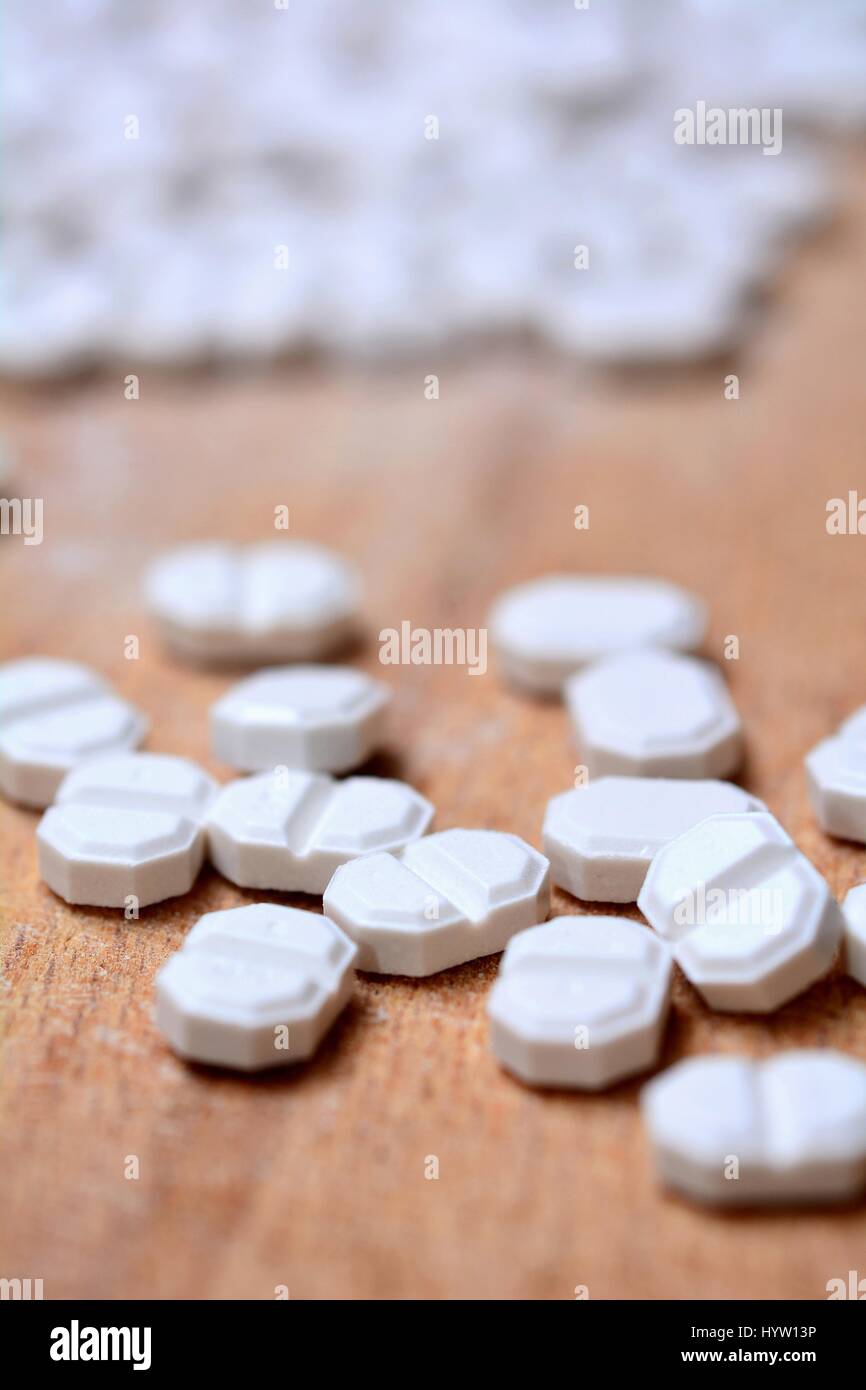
(443, 900)
(752, 921)
(318, 718)
(580, 1001)
(654, 714)
(255, 987)
(736, 1131)
(130, 826)
(601, 837)
(279, 600)
(547, 629)
(854, 727)
(54, 715)
(836, 777)
(291, 831)
(854, 912)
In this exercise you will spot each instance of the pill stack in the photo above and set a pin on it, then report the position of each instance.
(581, 1001)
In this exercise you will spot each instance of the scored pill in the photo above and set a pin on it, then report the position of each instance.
(443, 900)
(278, 600)
(751, 920)
(319, 718)
(580, 1001)
(255, 987)
(600, 838)
(291, 831)
(123, 827)
(734, 1131)
(654, 714)
(547, 629)
(54, 715)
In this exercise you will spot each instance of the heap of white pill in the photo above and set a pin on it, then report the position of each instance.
(445, 197)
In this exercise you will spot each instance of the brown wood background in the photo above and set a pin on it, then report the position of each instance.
(315, 1179)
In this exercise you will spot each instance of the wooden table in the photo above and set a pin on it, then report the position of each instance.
(315, 1179)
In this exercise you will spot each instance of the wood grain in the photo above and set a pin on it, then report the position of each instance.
(316, 1179)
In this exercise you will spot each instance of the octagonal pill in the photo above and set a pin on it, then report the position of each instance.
(836, 777)
(291, 831)
(580, 1001)
(126, 826)
(601, 837)
(854, 912)
(277, 600)
(752, 921)
(54, 715)
(654, 714)
(545, 630)
(734, 1131)
(318, 718)
(255, 987)
(443, 900)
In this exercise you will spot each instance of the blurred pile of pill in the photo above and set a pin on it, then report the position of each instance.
(223, 180)
(581, 1001)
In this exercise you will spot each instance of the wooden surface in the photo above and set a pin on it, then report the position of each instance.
(315, 1179)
